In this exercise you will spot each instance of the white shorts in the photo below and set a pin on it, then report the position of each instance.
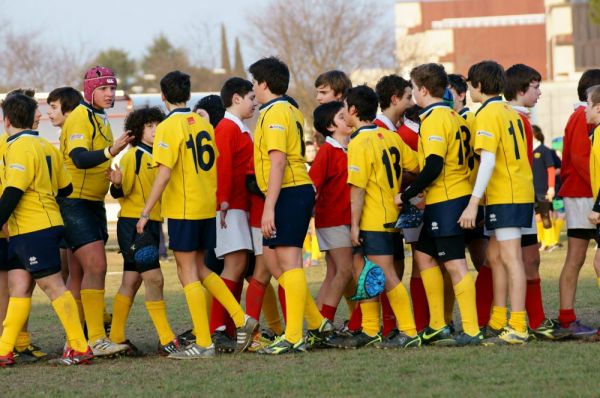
(237, 234)
(411, 235)
(503, 234)
(334, 237)
(257, 241)
(531, 230)
(577, 210)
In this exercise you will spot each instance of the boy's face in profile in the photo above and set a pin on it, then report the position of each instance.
(418, 94)
(326, 94)
(347, 116)
(36, 118)
(247, 105)
(474, 92)
(57, 118)
(406, 101)
(530, 97)
(592, 112)
(260, 91)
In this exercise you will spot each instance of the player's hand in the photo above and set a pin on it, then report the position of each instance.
(121, 143)
(594, 217)
(468, 217)
(398, 200)
(141, 224)
(550, 194)
(354, 235)
(223, 213)
(114, 175)
(268, 223)
(421, 203)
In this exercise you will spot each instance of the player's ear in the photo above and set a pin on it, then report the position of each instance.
(352, 111)
(6, 123)
(394, 99)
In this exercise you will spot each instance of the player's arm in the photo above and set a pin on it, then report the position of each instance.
(225, 144)
(357, 202)
(86, 159)
(160, 183)
(484, 174)
(318, 170)
(551, 171)
(278, 160)
(359, 167)
(434, 164)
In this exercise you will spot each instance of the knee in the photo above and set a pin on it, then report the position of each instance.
(154, 280)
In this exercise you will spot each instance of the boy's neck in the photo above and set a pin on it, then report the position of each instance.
(178, 105)
(430, 101)
(362, 123)
(392, 114)
(13, 131)
(269, 96)
(341, 138)
(516, 102)
(235, 112)
(485, 97)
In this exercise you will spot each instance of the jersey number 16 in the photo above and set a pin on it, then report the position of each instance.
(199, 150)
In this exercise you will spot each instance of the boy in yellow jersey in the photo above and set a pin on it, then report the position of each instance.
(87, 145)
(289, 198)
(131, 182)
(376, 160)
(185, 151)
(505, 177)
(33, 176)
(444, 154)
(475, 239)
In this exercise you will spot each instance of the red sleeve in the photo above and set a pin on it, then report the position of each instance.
(409, 137)
(528, 137)
(226, 146)
(581, 148)
(318, 170)
(551, 177)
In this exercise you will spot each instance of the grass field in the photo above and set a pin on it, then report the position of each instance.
(566, 369)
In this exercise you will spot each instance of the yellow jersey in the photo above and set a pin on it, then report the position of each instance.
(28, 166)
(139, 171)
(185, 143)
(280, 127)
(445, 134)
(86, 128)
(376, 160)
(3, 138)
(595, 161)
(499, 130)
(469, 118)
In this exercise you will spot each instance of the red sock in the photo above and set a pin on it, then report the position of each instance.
(484, 295)
(419, 302)
(387, 314)
(355, 322)
(533, 303)
(218, 315)
(328, 312)
(254, 298)
(281, 294)
(565, 317)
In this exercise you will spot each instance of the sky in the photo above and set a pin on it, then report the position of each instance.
(132, 24)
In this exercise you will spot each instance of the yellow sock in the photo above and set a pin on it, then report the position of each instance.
(23, 341)
(433, 282)
(121, 306)
(16, 316)
(400, 303)
(549, 238)
(93, 308)
(158, 313)
(518, 321)
(219, 290)
(498, 318)
(195, 301)
(370, 317)
(270, 310)
(558, 225)
(80, 311)
(68, 314)
(209, 299)
(295, 299)
(448, 299)
(465, 296)
(311, 312)
(540, 231)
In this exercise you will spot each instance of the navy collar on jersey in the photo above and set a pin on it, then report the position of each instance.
(21, 134)
(464, 110)
(428, 109)
(283, 98)
(144, 147)
(92, 108)
(179, 110)
(489, 101)
(364, 128)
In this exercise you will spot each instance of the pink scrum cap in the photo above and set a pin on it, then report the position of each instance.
(98, 76)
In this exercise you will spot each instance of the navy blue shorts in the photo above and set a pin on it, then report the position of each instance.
(515, 215)
(443, 248)
(126, 233)
(192, 235)
(85, 221)
(380, 243)
(38, 252)
(292, 216)
(441, 219)
(477, 232)
(4, 255)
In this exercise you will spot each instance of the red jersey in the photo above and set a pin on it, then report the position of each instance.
(329, 173)
(385, 123)
(409, 132)
(235, 151)
(575, 169)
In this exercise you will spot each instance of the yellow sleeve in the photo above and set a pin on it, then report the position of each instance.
(409, 158)
(78, 132)
(166, 147)
(63, 177)
(434, 137)
(275, 129)
(127, 166)
(358, 164)
(487, 136)
(20, 167)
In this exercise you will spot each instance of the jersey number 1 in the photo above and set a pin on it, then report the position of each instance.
(511, 131)
(395, 165)
(199, 149)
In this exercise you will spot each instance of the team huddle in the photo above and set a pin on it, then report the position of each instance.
(426, 171)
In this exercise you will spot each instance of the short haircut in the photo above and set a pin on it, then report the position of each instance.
(273, 72)
(594, 94)
(590, 77)
(324, 116)
(30, 92)
(489, 75)
(176, 87)
(19, 109)
(431, 76)
(68, 97)
(518, 79)
(137, 119)
(537, 133)
(459, 84)
(388, 86)
(235, 85)
(412, 114)
(364, 100)
(213, 105)
(337, 80)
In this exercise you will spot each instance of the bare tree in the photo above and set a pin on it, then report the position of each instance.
(314, 36)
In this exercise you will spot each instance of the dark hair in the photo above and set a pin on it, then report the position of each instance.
(19, 109)
(235, 85)
(590, 77)
(518, 79)
(412, 114)
(364, 100)
(137, 119)
(176, 87)
(387, 87)
(30, 92)
(68, 97)
(213, 105)
(309, 143)
(339, 82)
(273, 72)
(489, 75)
(537, 133)
(324, 116)
(431, 76)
